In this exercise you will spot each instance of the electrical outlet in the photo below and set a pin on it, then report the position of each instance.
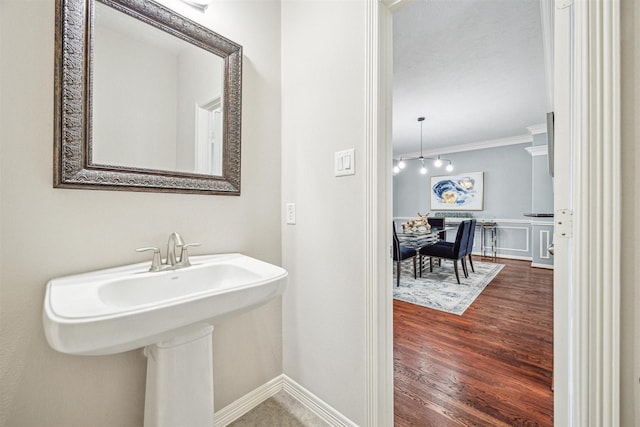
(291, 213)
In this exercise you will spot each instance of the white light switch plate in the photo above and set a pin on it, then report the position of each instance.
(345, 162)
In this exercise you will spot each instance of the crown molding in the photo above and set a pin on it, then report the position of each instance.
(480, 145)
(538, 150)
(537, 129)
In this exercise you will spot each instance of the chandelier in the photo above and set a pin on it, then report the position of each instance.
(437, 161)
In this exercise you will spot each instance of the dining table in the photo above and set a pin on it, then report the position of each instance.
(418, 240)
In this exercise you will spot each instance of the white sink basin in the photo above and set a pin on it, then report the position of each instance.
(120, 309)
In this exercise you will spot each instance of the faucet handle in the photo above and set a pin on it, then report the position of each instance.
(156, 262)
(184, 255)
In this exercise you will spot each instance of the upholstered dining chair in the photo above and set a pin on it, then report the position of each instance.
(454, 251)
(437, 223)
(400, 253)
(472, 234)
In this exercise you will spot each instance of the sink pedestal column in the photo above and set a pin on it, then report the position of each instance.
(180, 380)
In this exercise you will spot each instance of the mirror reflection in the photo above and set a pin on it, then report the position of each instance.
(157, 99)
(145, 100)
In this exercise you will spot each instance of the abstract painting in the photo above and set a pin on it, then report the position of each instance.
(462, 192)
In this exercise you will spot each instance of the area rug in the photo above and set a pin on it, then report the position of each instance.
(440, 290)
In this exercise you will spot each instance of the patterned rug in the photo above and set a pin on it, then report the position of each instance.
(440, 290)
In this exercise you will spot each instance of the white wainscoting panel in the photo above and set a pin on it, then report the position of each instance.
(543, 237)
(514, 236)
(513, 239)
(545, 241)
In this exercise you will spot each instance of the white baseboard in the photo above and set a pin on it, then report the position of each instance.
(316, 405)
(313, 403)
(246, 403)
(550, 267)
(518, 257)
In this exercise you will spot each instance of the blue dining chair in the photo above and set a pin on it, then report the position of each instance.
(454, 251)
(472, 234)
(437, 223)
(400, 253)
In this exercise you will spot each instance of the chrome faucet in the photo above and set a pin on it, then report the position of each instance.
(172, 262)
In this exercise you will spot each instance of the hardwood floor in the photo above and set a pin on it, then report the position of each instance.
(489, 367)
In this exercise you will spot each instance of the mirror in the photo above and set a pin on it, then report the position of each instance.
(146, 100)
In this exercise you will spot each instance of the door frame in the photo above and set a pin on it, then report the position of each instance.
(587, 274)
(586, 310)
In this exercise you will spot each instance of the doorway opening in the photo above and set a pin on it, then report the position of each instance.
(464, 361)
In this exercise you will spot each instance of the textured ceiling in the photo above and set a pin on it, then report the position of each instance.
(474, 68)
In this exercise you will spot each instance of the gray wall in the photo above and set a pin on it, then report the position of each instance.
(323, 103)
(541, 202)
(507, 182)
(542, 183)
(515, 183)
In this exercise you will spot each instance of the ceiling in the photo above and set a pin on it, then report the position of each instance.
(474, 68)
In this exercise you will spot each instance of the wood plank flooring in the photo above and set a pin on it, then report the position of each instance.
(489, 367)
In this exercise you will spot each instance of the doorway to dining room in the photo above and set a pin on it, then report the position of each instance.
(454, 364)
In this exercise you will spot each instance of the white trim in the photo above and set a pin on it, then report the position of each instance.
(480, 145)
(511, 221)
(543, 223)
(316, 405)
(496, 220)
(546, 19)
(516, 257)
(249, 401)
(540, 128)
(547, 266)
(595, 284)
(505, 256)
(587, 270)
(526, 244)
(377, 211)
(538, 150)
(565, 394)
(544, 248)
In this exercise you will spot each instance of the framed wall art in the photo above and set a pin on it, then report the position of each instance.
(461, 192)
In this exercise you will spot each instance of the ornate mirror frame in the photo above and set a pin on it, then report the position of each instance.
(73, 103)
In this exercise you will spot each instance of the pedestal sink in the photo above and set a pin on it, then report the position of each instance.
(170, 313)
